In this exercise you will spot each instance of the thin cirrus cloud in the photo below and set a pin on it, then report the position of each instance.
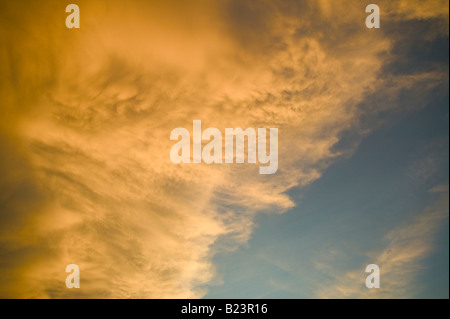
(86, 117)
(400, 260)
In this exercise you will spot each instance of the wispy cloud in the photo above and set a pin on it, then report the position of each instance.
(86, 117)
(400, 259)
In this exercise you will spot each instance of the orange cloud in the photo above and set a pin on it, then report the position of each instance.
(90, 112)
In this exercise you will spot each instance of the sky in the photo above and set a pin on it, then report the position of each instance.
(86, 176)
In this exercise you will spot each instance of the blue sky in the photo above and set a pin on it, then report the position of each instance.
(383, 185)
(86, 175)
(346, 212)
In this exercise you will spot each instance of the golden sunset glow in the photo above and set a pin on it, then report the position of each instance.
(86, 116)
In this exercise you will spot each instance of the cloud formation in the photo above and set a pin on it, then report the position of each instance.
(86, 117)
(400, 260)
